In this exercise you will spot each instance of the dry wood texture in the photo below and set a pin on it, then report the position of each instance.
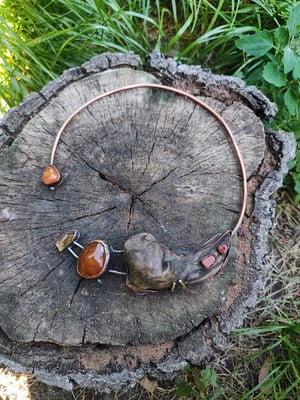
(139, 161)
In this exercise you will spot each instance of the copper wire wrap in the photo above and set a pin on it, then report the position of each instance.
(181, 93)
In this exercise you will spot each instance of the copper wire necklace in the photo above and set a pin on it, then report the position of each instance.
(149, 265)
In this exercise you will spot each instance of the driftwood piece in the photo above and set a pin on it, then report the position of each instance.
(139, 161)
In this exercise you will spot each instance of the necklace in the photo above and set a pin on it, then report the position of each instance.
(149, 266)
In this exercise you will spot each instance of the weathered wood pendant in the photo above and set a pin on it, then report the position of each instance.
(152, 267)
(148, 265)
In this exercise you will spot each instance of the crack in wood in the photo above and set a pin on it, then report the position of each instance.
(52, 320)
(192, 322)
(36, 331)
(260, 172)
(148, 158)
(181, 152)
(51, 271)
(137, 197)
(74, 293)
(93, 214)
(104, 177)
(65, 110)
(36, 284)
(132, 160)
(51, 200)
(189, 173)
(156, 182)
(28, 289)
(231, 210)
(84, 335)
(130, 212)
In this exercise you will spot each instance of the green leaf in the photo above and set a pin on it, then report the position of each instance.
(293, 22)
(213, 378)
(183, 389)
(201, 383)
(290, 59)
(257, 44)
(292, 164)
(281, 36)
(205, 374)
(297, 187)
(296, 71)
(291, 101)
(272, 74)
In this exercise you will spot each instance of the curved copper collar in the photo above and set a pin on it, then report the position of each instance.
(179, 92)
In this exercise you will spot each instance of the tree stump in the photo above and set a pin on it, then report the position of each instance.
(140, 161)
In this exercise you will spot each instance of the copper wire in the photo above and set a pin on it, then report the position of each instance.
(184, 94)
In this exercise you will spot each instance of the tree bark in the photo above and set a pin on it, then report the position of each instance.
(139, 161)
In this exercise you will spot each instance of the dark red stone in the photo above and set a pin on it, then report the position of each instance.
(223, 248)
(93, 259)
(209, 261)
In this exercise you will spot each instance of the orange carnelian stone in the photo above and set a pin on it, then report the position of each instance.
(93, 259)
(51, 176)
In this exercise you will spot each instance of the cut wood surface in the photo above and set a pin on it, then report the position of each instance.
(143, 160)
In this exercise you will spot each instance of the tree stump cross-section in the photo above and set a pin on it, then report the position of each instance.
(143, 160)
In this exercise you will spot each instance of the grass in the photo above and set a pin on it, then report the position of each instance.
(266, 354)
(41, 38)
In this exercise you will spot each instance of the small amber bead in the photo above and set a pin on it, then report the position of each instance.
(93, 259)
(66, 239)
(51, 176)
